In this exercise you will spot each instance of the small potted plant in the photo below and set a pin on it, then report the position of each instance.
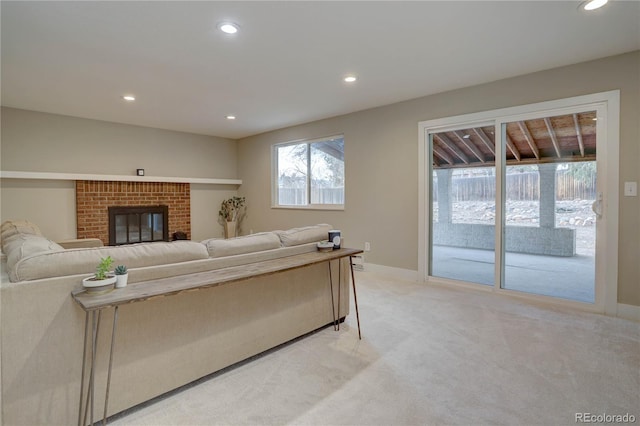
(230, 214)
(102, 279)
(122, 275)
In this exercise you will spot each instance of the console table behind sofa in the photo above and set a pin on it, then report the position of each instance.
(161, 344)
(94, 304)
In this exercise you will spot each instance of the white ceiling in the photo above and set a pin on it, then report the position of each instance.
(286, 64)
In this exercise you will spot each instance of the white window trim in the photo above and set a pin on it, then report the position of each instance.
(339, 207)
(274, 178)
(607, 104)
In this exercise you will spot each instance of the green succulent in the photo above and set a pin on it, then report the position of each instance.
(120, 270)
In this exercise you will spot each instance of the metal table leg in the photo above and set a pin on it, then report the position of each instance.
(333, 307)
(336, 320)
(339, 287)
(84, 363)
(87, 406)
(355, 296)
(113, 338)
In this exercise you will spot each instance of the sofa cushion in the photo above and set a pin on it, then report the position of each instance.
(307, 234)
(217, 247)
(12, 228)
(84, 261)
(21, 246)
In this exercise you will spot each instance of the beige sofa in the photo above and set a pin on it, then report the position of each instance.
(161, 344)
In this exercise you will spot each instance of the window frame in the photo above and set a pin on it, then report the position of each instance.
(274, 176)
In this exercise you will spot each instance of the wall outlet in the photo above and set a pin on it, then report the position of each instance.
(367, 246)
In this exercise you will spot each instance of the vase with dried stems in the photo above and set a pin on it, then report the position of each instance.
(230, 215)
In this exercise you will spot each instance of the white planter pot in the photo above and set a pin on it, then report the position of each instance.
(121, 280)
(93, 285)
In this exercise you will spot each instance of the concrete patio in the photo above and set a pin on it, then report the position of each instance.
(570, 278)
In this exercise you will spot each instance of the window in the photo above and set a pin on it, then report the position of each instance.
(309, 174)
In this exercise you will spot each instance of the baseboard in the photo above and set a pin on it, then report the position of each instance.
(629, 312)
(392, 272)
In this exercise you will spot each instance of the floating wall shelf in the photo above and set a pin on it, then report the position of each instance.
(119, 178)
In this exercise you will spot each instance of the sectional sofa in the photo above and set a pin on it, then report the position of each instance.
(161, 344)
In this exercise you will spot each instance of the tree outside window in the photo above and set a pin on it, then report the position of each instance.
(310, 173)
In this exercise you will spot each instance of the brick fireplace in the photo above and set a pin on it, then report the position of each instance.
(93, 199)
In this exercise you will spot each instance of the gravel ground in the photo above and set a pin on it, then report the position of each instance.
(576, 214)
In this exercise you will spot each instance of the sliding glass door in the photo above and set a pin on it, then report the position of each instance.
(517, 201)
(463, 205)
(549, 224)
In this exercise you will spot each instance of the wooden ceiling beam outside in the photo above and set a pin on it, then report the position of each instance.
(449, 144)
(513, 148)
(576, 123)
(525, 161)
(440, 153)
(552, 134)
(485, 139)
(467, 142)
(529, 138)
(451, 149)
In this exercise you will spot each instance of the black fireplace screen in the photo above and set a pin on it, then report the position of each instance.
(128, 225)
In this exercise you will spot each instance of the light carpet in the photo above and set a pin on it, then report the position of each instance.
(430, 355)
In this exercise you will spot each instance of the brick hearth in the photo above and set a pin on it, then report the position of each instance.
(93, 198)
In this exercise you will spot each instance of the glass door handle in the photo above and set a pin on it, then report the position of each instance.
(597, 206)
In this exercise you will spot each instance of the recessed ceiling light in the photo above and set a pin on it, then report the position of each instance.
(350, 78)
(228, 27)
(230, 117)
(129, 98)
(594, 4)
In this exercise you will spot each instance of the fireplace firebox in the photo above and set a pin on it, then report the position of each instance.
(129, 225)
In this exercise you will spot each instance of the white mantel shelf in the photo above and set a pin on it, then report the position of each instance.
(120, 178)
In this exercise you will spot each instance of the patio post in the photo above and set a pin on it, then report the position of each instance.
(444, 195)
(547, 174)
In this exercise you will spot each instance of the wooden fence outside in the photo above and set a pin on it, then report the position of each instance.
(520, 186)
(298, 196)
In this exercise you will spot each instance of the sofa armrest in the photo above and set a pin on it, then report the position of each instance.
(81, 243)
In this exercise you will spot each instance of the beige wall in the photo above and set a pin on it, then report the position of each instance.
(381, 154)
(51, 204)
(205, 204)
(39, 142)
(381, 147)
